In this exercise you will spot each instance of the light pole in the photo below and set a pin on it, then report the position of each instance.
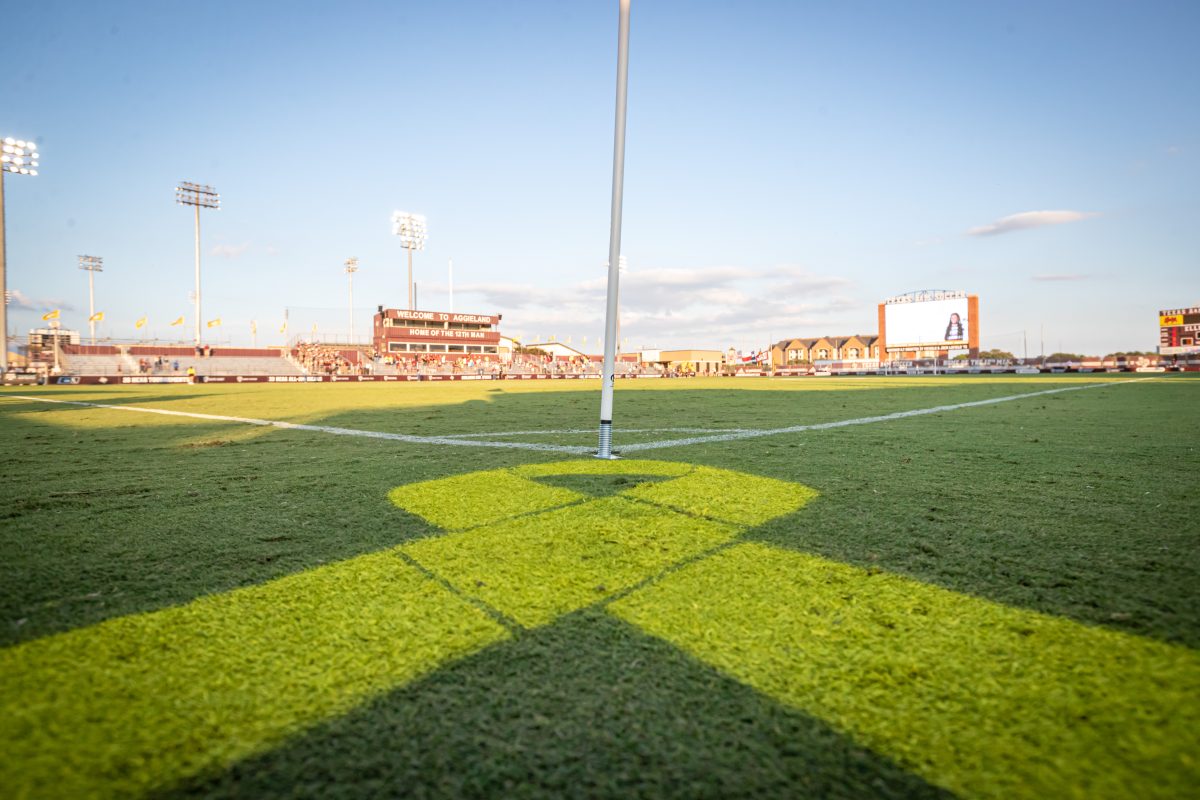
(92, 264)
(411, 230)
(20, 157)
(351, 268)
(56, 326)
(197, 196)
(608, 377)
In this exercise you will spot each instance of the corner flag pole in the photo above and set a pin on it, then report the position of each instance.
(608, 378)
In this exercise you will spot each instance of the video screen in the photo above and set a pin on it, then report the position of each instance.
(931, 323)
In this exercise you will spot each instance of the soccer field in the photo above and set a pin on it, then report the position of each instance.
(871, 587)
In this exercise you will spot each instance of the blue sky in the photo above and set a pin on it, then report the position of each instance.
(789, 165)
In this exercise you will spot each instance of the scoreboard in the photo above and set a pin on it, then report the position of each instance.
(1179, 331)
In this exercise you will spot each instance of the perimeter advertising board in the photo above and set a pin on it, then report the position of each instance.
(928, 324)
(1179, 331)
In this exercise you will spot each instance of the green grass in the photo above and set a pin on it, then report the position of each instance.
(1072, 515)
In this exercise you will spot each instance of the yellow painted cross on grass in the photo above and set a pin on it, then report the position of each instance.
(977, 697)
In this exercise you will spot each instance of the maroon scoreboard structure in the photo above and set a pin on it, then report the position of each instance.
(411, 333)
(1179, 331)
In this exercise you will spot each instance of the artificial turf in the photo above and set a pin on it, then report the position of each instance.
(1073, 510)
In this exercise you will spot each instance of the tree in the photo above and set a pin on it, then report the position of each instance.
(997, 355)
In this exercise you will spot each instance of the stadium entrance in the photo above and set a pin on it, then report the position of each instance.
(400, 332)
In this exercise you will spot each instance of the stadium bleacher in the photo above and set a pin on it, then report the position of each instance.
(142, 360)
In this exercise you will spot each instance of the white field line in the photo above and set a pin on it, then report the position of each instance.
(732, 435)
(576, 431)
(398, 437)
(729, 437)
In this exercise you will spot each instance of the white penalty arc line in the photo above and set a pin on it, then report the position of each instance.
(574, 449)
(577, 431)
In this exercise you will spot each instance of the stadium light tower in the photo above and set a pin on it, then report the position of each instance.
(608, 379)
(92, 264)
(20, 158)
(197, 196)
(411, 230)
(351, 268)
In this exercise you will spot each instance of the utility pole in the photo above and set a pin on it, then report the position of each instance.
(412, 230)
(20, 158)
(351, 268)
(92, 264)
(198, 196)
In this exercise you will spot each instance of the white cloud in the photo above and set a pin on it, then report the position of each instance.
(1029, 219)
(671, 307)
(18, 299)
(229, 250)
(1063, 277)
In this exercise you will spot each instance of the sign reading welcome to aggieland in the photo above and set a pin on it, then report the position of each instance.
(413, 333)
(441, 316)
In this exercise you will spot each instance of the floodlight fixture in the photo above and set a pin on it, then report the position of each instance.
(351, 268)
(19, 157)
(412, 231)
(410, 228)
(198, 196)
(92, 264)
(195, 194)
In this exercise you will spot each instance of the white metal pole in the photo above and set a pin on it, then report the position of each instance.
(450, 271)
(3, 287)
(197, 275)
(410, 283)
(351, 274)
(608, 378)
(92, 304)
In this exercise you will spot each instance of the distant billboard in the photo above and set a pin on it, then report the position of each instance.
(929, 323)
(1179, 331)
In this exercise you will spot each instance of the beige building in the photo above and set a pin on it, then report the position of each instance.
(701, 362)
(825, 348)
(557, 349)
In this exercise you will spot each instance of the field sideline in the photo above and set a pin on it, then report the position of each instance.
(858, 587)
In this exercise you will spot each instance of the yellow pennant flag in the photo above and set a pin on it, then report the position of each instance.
(283, 327)
(141, 323)
(55, 314)
(253, 326)
(97, 317)
(214, 323)
(177, 322)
